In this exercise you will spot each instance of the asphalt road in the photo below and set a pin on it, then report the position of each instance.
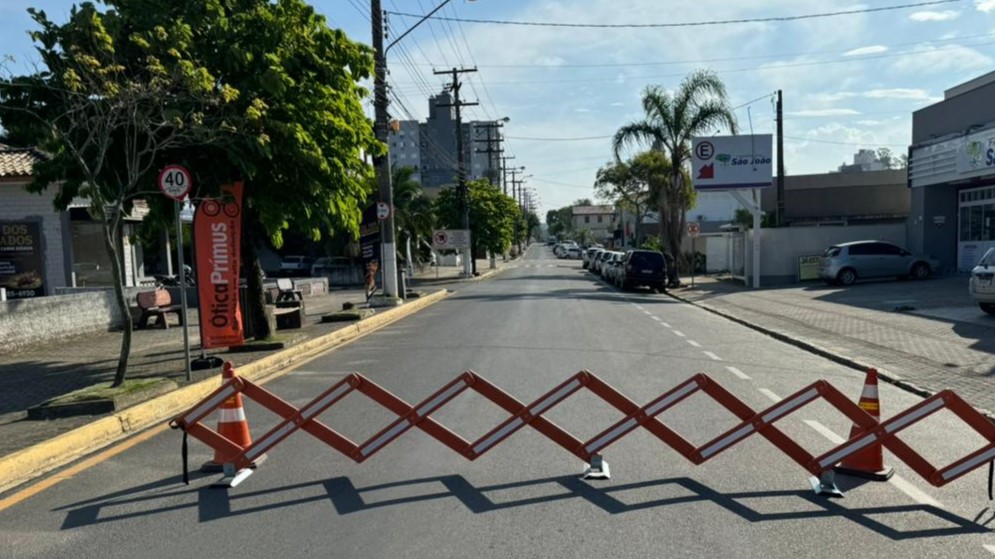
(527, 330)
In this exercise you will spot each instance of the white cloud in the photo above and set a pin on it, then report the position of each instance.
(898, 93)
(823, 112)
(874, 49)
(985, 5)
(582, 110)
(941, 60)
(550, 61)
(945, 15)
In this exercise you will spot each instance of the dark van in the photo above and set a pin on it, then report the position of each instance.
(643, 267)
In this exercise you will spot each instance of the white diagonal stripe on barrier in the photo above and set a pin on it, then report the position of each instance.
(901, 423)
(655, 408)
(846, 450)
(229, 415)
(870, 391)
(312, 409)
(429, 407)
(790, 405)
(611, 435)
(263, 444)
(728, 440)
(984, 457)
(382, 439)
(486, 443)
(554, 397)
(214, 402)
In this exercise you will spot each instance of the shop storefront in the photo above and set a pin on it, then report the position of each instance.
(952, 175)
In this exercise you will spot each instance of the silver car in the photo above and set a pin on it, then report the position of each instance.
(980, 285)
(845, 263)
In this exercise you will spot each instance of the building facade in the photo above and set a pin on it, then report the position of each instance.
(599, 221)
(952, 175)
(430, 146)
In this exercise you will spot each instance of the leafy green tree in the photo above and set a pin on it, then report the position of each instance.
(698, 106)
(636, 183)
(109, 102)
(492, 216)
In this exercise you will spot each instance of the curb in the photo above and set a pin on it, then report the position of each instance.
(822, 352)
(30, 463)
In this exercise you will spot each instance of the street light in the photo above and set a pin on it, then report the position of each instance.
(382, 163)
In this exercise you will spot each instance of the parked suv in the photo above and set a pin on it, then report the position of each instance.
(846, 262)
(980, 285)
(643, 267)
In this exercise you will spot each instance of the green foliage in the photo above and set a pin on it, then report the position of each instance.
(560, 222)
(414, 212)
(698, 106)
(652, 243)
(492, 215)
(744, 217)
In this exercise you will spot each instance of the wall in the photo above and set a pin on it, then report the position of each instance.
(17, 203)
(954, 114)
(30, 321)
(842, 195)
(930, 202)
(781, 247)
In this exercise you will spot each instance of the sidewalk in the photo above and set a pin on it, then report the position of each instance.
(33, 375)
(927, 336)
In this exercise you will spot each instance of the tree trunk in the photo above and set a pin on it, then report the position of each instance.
(252, 235)
(112, 229)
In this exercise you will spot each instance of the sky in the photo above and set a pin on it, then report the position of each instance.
(848, 81)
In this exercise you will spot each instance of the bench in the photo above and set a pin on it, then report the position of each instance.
(157, 303)
(286, 291)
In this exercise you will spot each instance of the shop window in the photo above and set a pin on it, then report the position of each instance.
(965, 224)
(977, 215)
(988, 223)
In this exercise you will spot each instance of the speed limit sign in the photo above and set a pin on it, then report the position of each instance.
(175, 182)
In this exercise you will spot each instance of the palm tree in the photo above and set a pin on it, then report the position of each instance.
(697, 107)
(414, 213)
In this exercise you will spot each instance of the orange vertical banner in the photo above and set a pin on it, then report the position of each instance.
(217, 226)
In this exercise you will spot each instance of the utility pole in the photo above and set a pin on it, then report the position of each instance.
(382, 163)
(504, 172)
(491, 140)
(469, 260)
(779, 214)
(516, 193)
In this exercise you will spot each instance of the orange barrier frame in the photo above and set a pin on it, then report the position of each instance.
(751, 422)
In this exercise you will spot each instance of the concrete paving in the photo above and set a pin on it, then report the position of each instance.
(31, 376)
(927, 334)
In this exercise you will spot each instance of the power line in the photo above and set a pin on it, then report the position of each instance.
(687, 23)
(800, 139)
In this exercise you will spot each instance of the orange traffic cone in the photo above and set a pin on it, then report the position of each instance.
(231, 424)
(868, 463)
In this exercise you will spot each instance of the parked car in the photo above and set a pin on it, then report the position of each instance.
(609, 270)
(643, 267)
(589, 255)
(560, 250)
(295, 266)
(845, 263)
(599, 260)
(573, 253)
(322, 265)
(551, 240)
(980, 285)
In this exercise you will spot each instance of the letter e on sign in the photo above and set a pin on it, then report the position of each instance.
(175, 182)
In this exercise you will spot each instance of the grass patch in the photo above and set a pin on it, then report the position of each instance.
(347, 316)
(105, 392)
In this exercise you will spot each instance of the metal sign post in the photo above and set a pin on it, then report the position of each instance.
(175, 182)
(693, 229)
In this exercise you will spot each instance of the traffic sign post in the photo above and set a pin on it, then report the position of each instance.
(383, 210)
(175, 182)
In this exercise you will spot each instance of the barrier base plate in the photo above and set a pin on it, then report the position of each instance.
(826, 485)
(231, 481)
(598, 469)
(212, 467)
(883, 475)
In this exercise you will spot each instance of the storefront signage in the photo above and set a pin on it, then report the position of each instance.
(808, 267)
(369, 244)
(217, 225)
(731, 162)
(22, 261)
(977, 154)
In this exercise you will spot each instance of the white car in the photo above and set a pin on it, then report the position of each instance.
(573, 253)
(980, 285)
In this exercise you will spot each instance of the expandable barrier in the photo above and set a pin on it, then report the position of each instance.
(751, 422)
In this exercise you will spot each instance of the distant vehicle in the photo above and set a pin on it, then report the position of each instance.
(610, 268)
(560, 250)
(588, 255)
(845, 263)
(322, 265)
(573, 253)
(551, 240)
(980, 284)
(643, 267)
(600, 261)
(295, 266)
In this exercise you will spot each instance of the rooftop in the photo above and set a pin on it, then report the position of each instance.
(18, 162)
(593, 210)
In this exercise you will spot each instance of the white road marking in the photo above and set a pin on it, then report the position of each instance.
(679, 333)
(664, 324)
(647, 312)
(898, 481)
(694, 343)
(712, 356)
(656, 318)
(990, 548)
(769, 394)
(738, 373)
